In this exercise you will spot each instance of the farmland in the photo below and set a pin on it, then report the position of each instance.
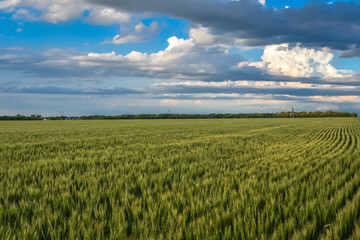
(173, 179)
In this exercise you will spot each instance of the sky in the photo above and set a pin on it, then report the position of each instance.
(115, 57)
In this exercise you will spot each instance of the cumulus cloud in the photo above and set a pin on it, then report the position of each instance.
(140, 33)
(297, 61)
(182, 59)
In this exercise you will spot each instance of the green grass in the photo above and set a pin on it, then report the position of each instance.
(180, 179)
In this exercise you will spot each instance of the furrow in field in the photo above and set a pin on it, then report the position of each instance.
(344, 225)
(306, 160)
(332, 197)
(347, 185)
(314, 169)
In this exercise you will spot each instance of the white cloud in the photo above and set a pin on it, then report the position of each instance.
(118, 39)
(9, 3)
(201, 35)
(181, 59)
(159, 61)
(260, 102)
(185, 63)
(299, 62)
(260, 1)
(22, 12)
(106, 16)
(204, 36)
(56, 11)
(53, 11)
(140, 33)
(263, 2)
(154, 27)
(176, 102)
(10, 57)
(336, 98)
(169, 102)
(255, 84)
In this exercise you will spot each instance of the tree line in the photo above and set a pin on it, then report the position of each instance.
(21, 117)
(289, 114)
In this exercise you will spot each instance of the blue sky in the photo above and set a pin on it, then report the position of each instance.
(194, 56)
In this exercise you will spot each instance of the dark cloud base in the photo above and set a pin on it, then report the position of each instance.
(317, 24)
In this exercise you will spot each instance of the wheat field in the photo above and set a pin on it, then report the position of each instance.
(180, 179)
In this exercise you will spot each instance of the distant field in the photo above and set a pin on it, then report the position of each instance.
(173, 179)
